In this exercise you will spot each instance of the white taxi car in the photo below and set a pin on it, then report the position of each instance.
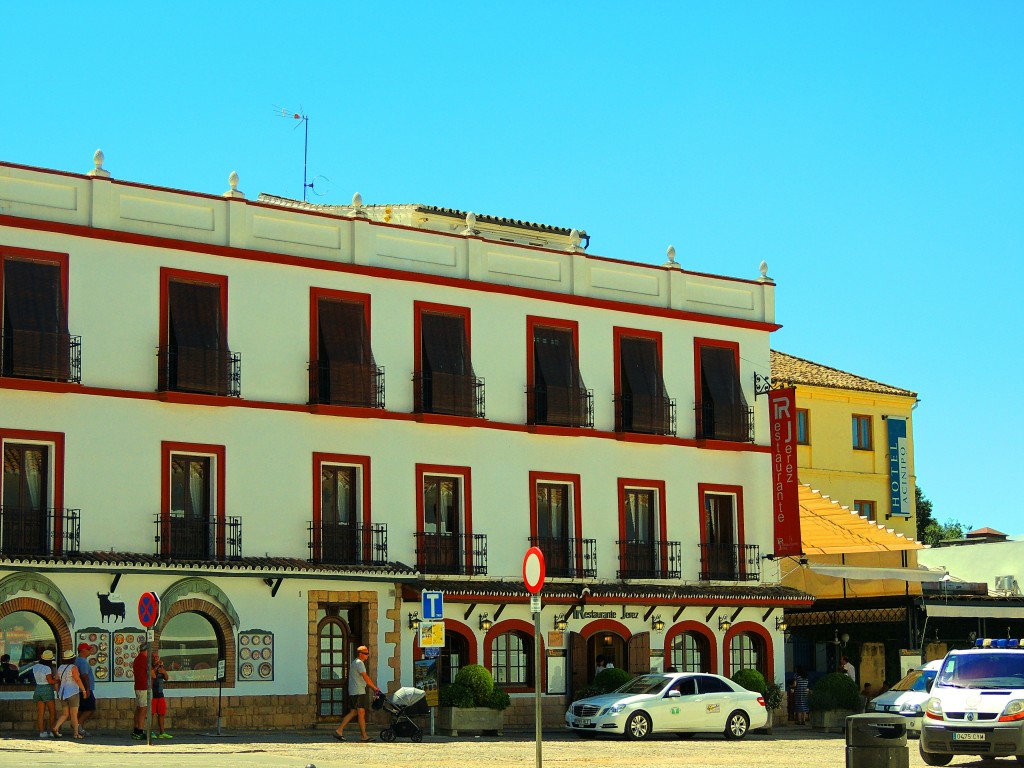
(976, 705)
(683, 703)
(908, 697)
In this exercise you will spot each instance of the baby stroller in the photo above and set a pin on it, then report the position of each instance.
(400, 708)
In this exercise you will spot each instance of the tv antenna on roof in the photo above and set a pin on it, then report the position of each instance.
(303, 119)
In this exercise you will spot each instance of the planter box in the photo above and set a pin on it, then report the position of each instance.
(451, 720)
(831, 720)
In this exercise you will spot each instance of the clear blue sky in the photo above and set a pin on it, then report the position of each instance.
(870, 152)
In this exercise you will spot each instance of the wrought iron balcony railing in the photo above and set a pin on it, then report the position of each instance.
(462, 554)
(730, 562)
(352, 384)
(649, 559)
(199, 370)
(728, 421)
(646, 414)
(192, 538)
(560, 406)
(40, 355)
(448, 393)
(348, 544)
(568, 558)
(39, 531)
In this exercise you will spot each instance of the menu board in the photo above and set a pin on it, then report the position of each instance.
(256, 655)
(126, 647)
(98, 640)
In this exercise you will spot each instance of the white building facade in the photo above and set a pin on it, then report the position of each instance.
(288, 421)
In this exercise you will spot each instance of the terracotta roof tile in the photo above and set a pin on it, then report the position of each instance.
(796, 370)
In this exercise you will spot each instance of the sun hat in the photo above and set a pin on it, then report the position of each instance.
(47, 655)
(68, 655)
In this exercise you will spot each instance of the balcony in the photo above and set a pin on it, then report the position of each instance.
(196, 538)
(461, 554)
(560, 406)
(199, 370)
(649, 559)
(729, 421)
(39, 532)
(568, 558)
(43, 356)
(348, 544)
(448, 393)
(730, 562)
(351, 384)
(645, 414)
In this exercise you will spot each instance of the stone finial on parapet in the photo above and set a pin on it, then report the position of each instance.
(234, 191)
(574, 241)
(764, 274)
(98, 171)
(470, 224)
(357, 205)
(671, 263)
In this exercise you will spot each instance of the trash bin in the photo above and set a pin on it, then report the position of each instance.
(876, 741)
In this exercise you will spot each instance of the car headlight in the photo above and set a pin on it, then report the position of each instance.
(1012, 711)
(911, 709)
(614, 709)
(871, 707)
(934, 708)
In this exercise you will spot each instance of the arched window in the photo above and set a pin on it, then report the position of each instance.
(454, 656)
(512, 659)
(747, 651)
(690, 653)
(24, 635)
(190, 645)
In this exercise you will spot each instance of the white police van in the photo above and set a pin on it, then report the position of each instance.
(976, 705)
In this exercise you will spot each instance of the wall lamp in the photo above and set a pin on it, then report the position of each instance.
(780, 624)
(414, 620)
(724, 623)
(485, 623)
(560, 623)
(657, 624)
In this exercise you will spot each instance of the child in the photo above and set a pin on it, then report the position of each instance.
(159, 702)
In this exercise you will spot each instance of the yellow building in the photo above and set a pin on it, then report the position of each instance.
(852, 445)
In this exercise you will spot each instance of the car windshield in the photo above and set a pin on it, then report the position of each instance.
(983, 670)
(644, 684)
(916, 680)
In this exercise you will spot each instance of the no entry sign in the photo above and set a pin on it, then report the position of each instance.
(533, 570)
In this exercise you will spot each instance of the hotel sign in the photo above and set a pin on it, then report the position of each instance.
(900, 503)
(785, 487)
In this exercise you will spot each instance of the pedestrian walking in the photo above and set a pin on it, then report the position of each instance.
(44, 696)
(70, 690)
(140, 671)
(801, 696)
(159, 701)
(359, 687)
(87, 708)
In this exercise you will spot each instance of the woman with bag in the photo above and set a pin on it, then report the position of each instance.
(69, 688)
(42, 675)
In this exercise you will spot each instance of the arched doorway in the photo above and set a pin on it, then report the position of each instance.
(334, 639)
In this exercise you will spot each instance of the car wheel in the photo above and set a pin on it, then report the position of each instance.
(638, 726)
(933, 758)
(736, 726)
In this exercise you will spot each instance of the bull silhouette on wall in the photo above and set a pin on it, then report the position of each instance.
(110, 608)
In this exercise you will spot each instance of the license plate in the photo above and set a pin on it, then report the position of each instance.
(581, 723)
(968, 736)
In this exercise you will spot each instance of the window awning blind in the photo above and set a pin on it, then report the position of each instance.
(36, 339)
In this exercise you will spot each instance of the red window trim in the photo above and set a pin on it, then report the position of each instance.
(516, 625)
(703, 489)
(577, 506)
(658, 486)
(694, 628)
(467, 502)
(536, 321)
(218, 452)
(419, 308)
(345, 459)
(315, 294)
(755, 629)
(618, 333)
(168, 275)
(56, 439)
(697, 344)
(30, 254)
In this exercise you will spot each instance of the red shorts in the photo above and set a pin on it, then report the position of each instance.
(160, 706)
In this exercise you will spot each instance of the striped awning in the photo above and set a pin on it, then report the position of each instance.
(829, 528)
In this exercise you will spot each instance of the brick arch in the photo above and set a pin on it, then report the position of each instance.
(451, 625)
(752, 628)
(526, 628)
(47, 612)
(696, 628)
(598, 626)
(222, 626)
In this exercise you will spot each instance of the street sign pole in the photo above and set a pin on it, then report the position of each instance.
(537, 682)
(533, 578)
(149, 614)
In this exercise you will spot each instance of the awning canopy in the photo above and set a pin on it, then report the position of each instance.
(870, 574)
(829, 528)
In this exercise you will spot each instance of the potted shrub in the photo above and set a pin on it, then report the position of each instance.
(753, 680)
(833, 698)
(472, 703)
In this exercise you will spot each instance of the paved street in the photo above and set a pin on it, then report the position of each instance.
(787, 748)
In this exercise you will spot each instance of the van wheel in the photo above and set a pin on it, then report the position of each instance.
(933, 758)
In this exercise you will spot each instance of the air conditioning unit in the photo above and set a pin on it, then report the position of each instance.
(1006, 584)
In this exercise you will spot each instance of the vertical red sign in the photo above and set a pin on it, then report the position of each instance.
(785, 487)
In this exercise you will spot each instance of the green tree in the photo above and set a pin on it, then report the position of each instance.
(924, 512)
(951, 529)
